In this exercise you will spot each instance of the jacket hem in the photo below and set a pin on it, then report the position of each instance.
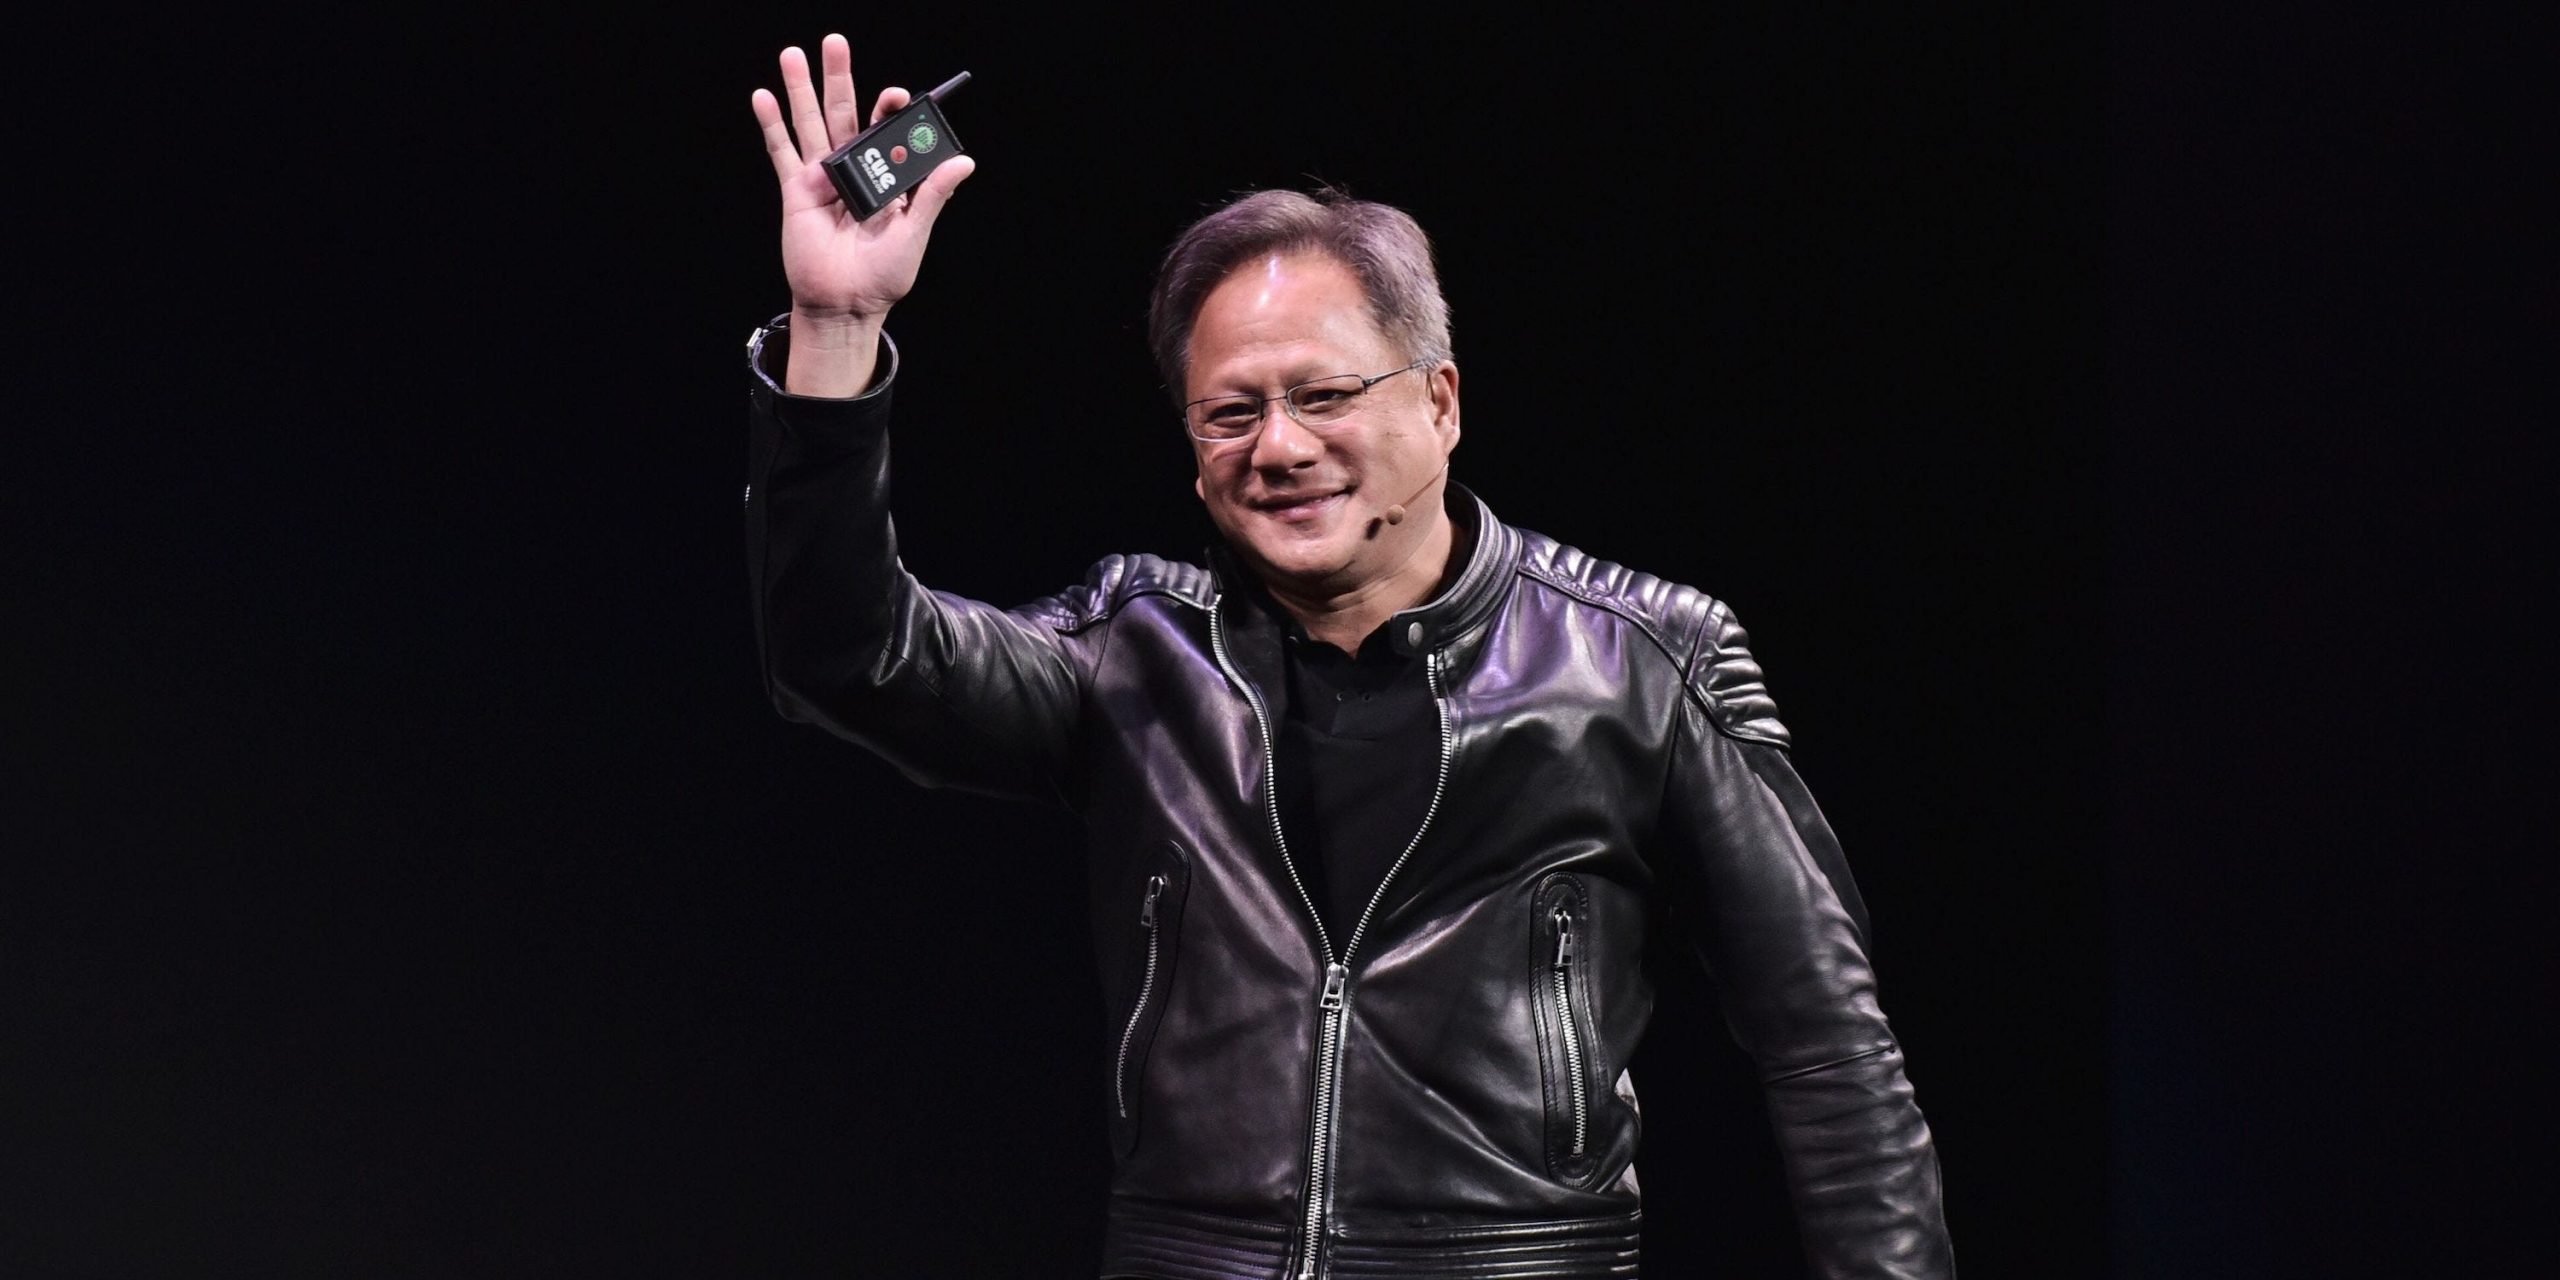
(1164, 1242)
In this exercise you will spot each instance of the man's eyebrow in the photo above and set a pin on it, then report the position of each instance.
(1312, 371)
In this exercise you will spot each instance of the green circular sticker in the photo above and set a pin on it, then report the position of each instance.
(922, 138)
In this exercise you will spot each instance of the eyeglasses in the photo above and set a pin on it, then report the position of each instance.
(1320, 402)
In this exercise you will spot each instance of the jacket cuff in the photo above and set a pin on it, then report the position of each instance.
(769, 350)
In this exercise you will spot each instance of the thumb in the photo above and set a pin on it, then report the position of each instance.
(935, 191)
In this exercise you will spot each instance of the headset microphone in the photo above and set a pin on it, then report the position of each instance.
(1394, 514)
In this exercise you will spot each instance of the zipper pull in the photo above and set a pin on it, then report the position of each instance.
(1336, 978)
(1147, 910)
(1564, 938)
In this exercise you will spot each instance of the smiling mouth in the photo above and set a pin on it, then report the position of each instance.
(1305, 507)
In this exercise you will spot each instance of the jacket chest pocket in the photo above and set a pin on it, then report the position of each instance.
(1569, 1048)
(1154, 916)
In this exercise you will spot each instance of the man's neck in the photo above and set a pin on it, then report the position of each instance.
(1345, 619)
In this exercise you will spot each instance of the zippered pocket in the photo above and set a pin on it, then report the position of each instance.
(1152, 926)
(1568, 1043)
(1154, 909)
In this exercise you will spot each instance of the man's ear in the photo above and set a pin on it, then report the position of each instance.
(1444, 403)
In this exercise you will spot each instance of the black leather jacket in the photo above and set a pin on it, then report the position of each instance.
(1440, 1091)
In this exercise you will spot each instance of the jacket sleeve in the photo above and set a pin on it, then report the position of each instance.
(951, 691)
(1759, 883)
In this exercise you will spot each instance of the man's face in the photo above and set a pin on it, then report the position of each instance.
(1306, 506)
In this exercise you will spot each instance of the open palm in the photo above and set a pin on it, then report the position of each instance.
(840, 265)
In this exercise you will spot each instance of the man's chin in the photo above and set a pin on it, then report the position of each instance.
(1307, 564)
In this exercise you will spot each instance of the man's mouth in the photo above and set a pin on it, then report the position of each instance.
(1301, 508)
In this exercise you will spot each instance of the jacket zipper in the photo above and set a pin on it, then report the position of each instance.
(1334, 1002)
(1270, 781)
(1333, 1005)
(1563, 972)
(1146, 989)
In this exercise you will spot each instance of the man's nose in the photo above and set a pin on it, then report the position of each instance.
(1284, 442)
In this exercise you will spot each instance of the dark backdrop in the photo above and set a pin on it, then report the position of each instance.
(420, 886)
(2330, 323)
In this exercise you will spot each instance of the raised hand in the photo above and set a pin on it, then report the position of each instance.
(845, 273)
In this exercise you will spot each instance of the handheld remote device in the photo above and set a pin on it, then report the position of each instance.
(884, 161)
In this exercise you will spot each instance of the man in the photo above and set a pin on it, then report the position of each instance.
(1382, 802)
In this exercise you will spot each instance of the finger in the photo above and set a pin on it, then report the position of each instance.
(806, 120)
(928, 196)
(891, 99)
(777, 139)
(844, 107)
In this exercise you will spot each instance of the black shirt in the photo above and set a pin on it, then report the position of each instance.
(1357, 755)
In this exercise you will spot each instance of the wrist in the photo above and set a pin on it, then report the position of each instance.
(833, 353)
(835, 328)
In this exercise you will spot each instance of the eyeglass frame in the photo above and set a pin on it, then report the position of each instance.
(1262, 404)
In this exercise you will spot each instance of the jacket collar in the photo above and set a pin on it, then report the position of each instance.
(1461, 608)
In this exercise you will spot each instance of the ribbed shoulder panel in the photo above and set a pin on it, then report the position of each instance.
(1695, 630)
(1728, 677)
(1116, 580)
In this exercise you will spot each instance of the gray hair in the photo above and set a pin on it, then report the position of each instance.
(1381, 244)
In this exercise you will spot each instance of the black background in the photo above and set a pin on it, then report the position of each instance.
(2107, 424)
